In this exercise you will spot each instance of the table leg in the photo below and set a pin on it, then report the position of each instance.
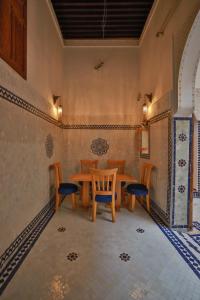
(118, 190)
(85, 194)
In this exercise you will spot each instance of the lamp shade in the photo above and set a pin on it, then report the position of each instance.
(144, 108)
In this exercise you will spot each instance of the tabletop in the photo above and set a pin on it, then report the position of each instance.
(88, 177)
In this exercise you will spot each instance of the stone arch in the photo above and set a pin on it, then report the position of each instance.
(187, 72)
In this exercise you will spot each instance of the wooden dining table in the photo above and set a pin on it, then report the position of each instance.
(87, 178)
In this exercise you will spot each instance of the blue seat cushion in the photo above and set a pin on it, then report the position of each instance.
(137, 189)
(105, 198)
(67, 188)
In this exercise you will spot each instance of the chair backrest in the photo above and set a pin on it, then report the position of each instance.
(87, 164)
(146, 174)
(58, 174)
(119, 164)
(104, 182)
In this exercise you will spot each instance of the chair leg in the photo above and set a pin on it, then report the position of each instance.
(132, 203)
(148, 202)
(94, 211)
(113, 212)
(73, 200)
(123, 197)
(57, 204)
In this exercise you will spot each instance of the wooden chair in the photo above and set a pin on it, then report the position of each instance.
(120, 165)
(87, 164)
(63, 188)
(141, 189)
(103, 189)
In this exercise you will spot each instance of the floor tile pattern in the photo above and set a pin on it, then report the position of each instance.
(61, 229)
(72, 256)
(140, 230)
(124, 256)
(98, 272)
(188, 250)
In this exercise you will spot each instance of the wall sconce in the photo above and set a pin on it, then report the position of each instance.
(149, 97)
(57, 103)
(146, 98)
(144, 108)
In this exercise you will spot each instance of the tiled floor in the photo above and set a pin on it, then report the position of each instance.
(153, 271)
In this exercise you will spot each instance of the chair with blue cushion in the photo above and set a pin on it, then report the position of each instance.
(141, 189)
(63, 188)
(103, 189)
(120, 165)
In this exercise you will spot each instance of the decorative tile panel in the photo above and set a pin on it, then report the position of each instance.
(181, 171)
(99, 146)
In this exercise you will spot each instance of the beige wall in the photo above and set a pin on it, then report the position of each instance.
(24, 165)
(104, 96)
(122, 145)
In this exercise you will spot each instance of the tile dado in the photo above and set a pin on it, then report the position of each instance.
(182, 155)
(14, 99)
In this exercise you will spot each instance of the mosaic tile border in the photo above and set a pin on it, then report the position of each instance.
(15, 254)
(186, 254)
(175, 167)
(103, 126)
(192, 261)
(12, 98)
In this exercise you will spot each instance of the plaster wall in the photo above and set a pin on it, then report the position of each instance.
(122, 145)
(104, 96)
(24, 165)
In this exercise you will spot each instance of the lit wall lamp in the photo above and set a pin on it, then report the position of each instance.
(147, 98)
(57, 104)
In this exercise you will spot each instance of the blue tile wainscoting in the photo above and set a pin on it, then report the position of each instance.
(181, 165)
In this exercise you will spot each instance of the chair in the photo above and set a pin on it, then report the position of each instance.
(141, 189)
(63, 188)
(87, 164)
(103, 189)
(120, 165)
